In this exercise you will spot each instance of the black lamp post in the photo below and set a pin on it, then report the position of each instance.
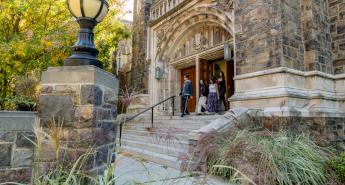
(87, 13)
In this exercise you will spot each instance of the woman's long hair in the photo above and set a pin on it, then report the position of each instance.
(213, 79)
(222, 76)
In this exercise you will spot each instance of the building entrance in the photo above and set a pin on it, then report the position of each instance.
(210, 68)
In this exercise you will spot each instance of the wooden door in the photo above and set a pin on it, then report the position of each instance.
(192, 76)
(206, 70)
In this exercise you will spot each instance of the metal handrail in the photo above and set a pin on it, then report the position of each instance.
(142, 112)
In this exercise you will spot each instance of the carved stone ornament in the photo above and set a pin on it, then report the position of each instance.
(160, 36)
(199, 42)
(225, 5)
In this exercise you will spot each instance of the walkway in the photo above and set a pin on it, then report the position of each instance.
(130, 171)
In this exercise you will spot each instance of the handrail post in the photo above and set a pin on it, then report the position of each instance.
(152, 118)
(120, 137)
(173, 106)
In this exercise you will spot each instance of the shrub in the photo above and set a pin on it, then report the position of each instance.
(338, 165)
(268, 158)
(25, 95)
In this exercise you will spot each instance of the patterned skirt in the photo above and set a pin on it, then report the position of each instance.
(212, 102)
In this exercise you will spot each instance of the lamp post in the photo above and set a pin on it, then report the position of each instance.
(88, 13)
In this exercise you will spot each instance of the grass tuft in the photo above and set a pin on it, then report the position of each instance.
(265, 158)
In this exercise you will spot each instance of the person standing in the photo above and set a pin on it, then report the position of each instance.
(187, 92)
(202, 99)
(222, 89)
(213, 96)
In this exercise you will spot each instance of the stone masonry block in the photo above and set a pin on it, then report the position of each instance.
(91, 94)
(7, 136)
(84, 116)
(25, 139)
(18, 175)
(23, 157)
(102, 156)
(46, 89)
(110, 97)
(59, 107)
(5, 154)
(47, 152)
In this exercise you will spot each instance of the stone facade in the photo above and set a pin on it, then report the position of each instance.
(268, 35)
(337, 28)
(274, 42)
(16, 149)
(83, 100)
(140, 69)
(123, 54)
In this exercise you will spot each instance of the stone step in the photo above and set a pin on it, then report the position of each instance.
(171, 122)
(150, 130)
(157, 158)
(178, 117)
(160, 134)
(166, 142)
(166, 126)
(172, 150)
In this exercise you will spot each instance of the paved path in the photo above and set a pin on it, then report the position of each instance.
(130, 171)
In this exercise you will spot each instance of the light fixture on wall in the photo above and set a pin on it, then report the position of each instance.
(228, 54)
(158, 73)
(88, 13)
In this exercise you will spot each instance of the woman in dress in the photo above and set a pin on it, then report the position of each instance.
(222, 89)
(212, 101)
(203, 97)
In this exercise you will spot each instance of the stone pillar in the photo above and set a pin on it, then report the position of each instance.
(83, 100)
(316, 36)
(140, 66)
(275, 69)
(268, 35)
(337, 27)
(197, 90)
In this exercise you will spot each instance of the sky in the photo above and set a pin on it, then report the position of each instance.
(129, 10)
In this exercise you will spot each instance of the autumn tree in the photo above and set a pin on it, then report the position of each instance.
(36, 34)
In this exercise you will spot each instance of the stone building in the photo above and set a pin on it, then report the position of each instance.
(140, 73)
(274, 53)
(283, 61)
(123, 54)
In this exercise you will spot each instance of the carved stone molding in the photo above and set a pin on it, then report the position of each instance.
(225, 5)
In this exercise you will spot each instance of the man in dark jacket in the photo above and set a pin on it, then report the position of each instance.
(187, 92)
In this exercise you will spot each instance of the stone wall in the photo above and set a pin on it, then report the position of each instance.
(324, 128)
(83, 100)
(16, 150)
(316, 36)
(268, 34)
(337, 21)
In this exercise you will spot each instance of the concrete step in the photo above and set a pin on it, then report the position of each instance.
(171, 122)
(158, 140)
(178, 117)
(172, 149)
(164, 143)
(157, 158)
(166, 125)
(160, 134)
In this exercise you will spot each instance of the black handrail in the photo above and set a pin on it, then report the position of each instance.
(142, 112)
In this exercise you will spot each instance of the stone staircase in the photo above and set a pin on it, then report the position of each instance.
(164, 143)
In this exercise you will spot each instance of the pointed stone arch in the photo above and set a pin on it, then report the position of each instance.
(204, 13)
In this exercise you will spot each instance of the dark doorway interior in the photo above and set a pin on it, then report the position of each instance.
(214, 67)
